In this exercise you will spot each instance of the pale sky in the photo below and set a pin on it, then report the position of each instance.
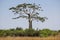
(51, 11)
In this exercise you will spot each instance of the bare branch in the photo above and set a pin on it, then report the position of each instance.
(20, 17)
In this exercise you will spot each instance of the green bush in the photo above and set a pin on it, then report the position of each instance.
(54, 33)
(3, 33)
(36, 33)
(45, 32)
(28, 32)
(19, 28)
(58, 30)
(19, 33)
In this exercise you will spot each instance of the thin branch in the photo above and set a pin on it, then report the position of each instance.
(20, 17)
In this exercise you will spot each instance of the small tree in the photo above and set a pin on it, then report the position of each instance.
(28, 11)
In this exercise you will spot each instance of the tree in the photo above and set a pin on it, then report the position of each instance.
(28, 11)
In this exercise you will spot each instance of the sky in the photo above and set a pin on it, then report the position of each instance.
(51, 11)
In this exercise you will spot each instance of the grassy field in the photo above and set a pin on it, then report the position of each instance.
(30, 38)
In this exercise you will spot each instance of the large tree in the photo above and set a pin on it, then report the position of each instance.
(28, 11)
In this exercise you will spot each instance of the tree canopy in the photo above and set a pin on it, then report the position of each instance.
(28, 11)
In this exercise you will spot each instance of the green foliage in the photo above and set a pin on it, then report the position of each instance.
(45, 32)
(54, 33)
(19, 33)
(36, 33)
(19, 28)
(28, 32)
(3, 33)
(58, 30)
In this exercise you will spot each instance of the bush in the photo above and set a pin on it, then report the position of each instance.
(45, 32)
(54, 33)
(29, 32)
(36, 33)
(3, 33)
(19, 33)
(19, 28)
(58, 30)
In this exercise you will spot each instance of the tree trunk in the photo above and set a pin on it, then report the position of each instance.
(30, 22)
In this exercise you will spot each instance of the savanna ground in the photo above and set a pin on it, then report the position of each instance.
(31, 38)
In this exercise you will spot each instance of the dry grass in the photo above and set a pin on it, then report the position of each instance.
(30, 38)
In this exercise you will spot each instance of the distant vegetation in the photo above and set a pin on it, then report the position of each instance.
(28, 32)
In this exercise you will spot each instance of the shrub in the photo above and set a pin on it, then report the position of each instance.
(54, 33)
(58, 30)
(19, 33)
(3, 33)
(45, 32)
(29, 32)
(19, 28)
(36, 33)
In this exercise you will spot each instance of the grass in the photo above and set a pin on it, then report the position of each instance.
(31, 38)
